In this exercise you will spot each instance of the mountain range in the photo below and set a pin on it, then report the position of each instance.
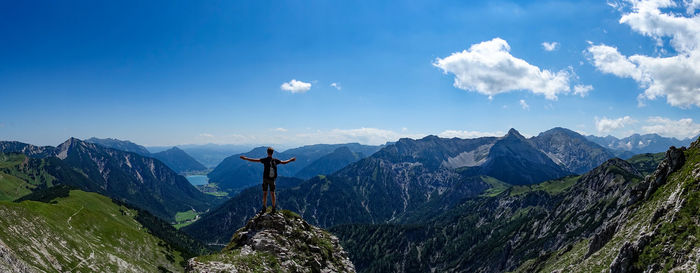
(638, 144)
(235, 174)
(412, 177)
(209, 155)
(139, 180)
(175, 158)
(179, 161)
(122, 145)
(611, 219)
(555, 202)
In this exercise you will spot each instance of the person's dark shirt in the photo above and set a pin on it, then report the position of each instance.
(266, 161)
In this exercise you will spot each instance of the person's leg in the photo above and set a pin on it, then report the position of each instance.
(264, 199)
(272, 194)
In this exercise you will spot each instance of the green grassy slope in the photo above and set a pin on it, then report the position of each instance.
(646, 163)
(550, 186)
(12, 187)
(21, 175)
(16, 180)
(83, 232)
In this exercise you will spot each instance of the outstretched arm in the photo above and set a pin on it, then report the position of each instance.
(250, 159)
(288, 160)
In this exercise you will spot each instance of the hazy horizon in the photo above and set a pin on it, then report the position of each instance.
(285, 146)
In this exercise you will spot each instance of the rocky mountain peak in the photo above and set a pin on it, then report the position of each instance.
(613, 166)
(431, 137)
(63, 149)
(70, 142)
(514, 133)
(561, 131)
(277, 242)
(695, 144)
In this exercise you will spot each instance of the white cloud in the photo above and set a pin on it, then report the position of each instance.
(614, 4)
(336, 85)
(295, 86)
(675, 77)
(280, 129)
(524, 105)
(681, 129)
(206, 135)
(582, 90)
(468, 134)
(607, 59)
(692, 6)
(488, 68)
(606, 125)
(550, 46)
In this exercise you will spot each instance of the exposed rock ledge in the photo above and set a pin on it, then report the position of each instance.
(280, 242)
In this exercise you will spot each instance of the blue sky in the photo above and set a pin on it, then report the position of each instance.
(178, 72)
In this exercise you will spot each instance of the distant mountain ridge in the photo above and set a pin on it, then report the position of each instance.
(209, 155)
(179, 161)
(639, 144)
(123, 145)
(330, 163)
(571, 149)
(175, 158)
(234, 174)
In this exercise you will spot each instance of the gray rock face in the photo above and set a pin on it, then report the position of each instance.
(628, 254)
(10, 263)
(601, 238)
(572, 150)
(279, 242)
(674, 160)
(630, 251)
(27, 149)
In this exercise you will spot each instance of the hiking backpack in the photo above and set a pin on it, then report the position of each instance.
(272, 173)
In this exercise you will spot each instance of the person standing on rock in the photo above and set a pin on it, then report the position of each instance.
(269, 176)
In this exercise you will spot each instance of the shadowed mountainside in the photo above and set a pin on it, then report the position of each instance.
(142, 181)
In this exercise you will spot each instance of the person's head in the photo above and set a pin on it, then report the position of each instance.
(270, 151)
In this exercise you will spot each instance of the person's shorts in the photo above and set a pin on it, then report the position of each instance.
(268, 183)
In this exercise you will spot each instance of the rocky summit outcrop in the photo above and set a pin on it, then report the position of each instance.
(277, 242)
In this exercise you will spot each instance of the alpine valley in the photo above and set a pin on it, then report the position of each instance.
(554, 202)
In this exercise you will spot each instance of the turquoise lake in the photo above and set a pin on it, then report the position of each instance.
(197, 179)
